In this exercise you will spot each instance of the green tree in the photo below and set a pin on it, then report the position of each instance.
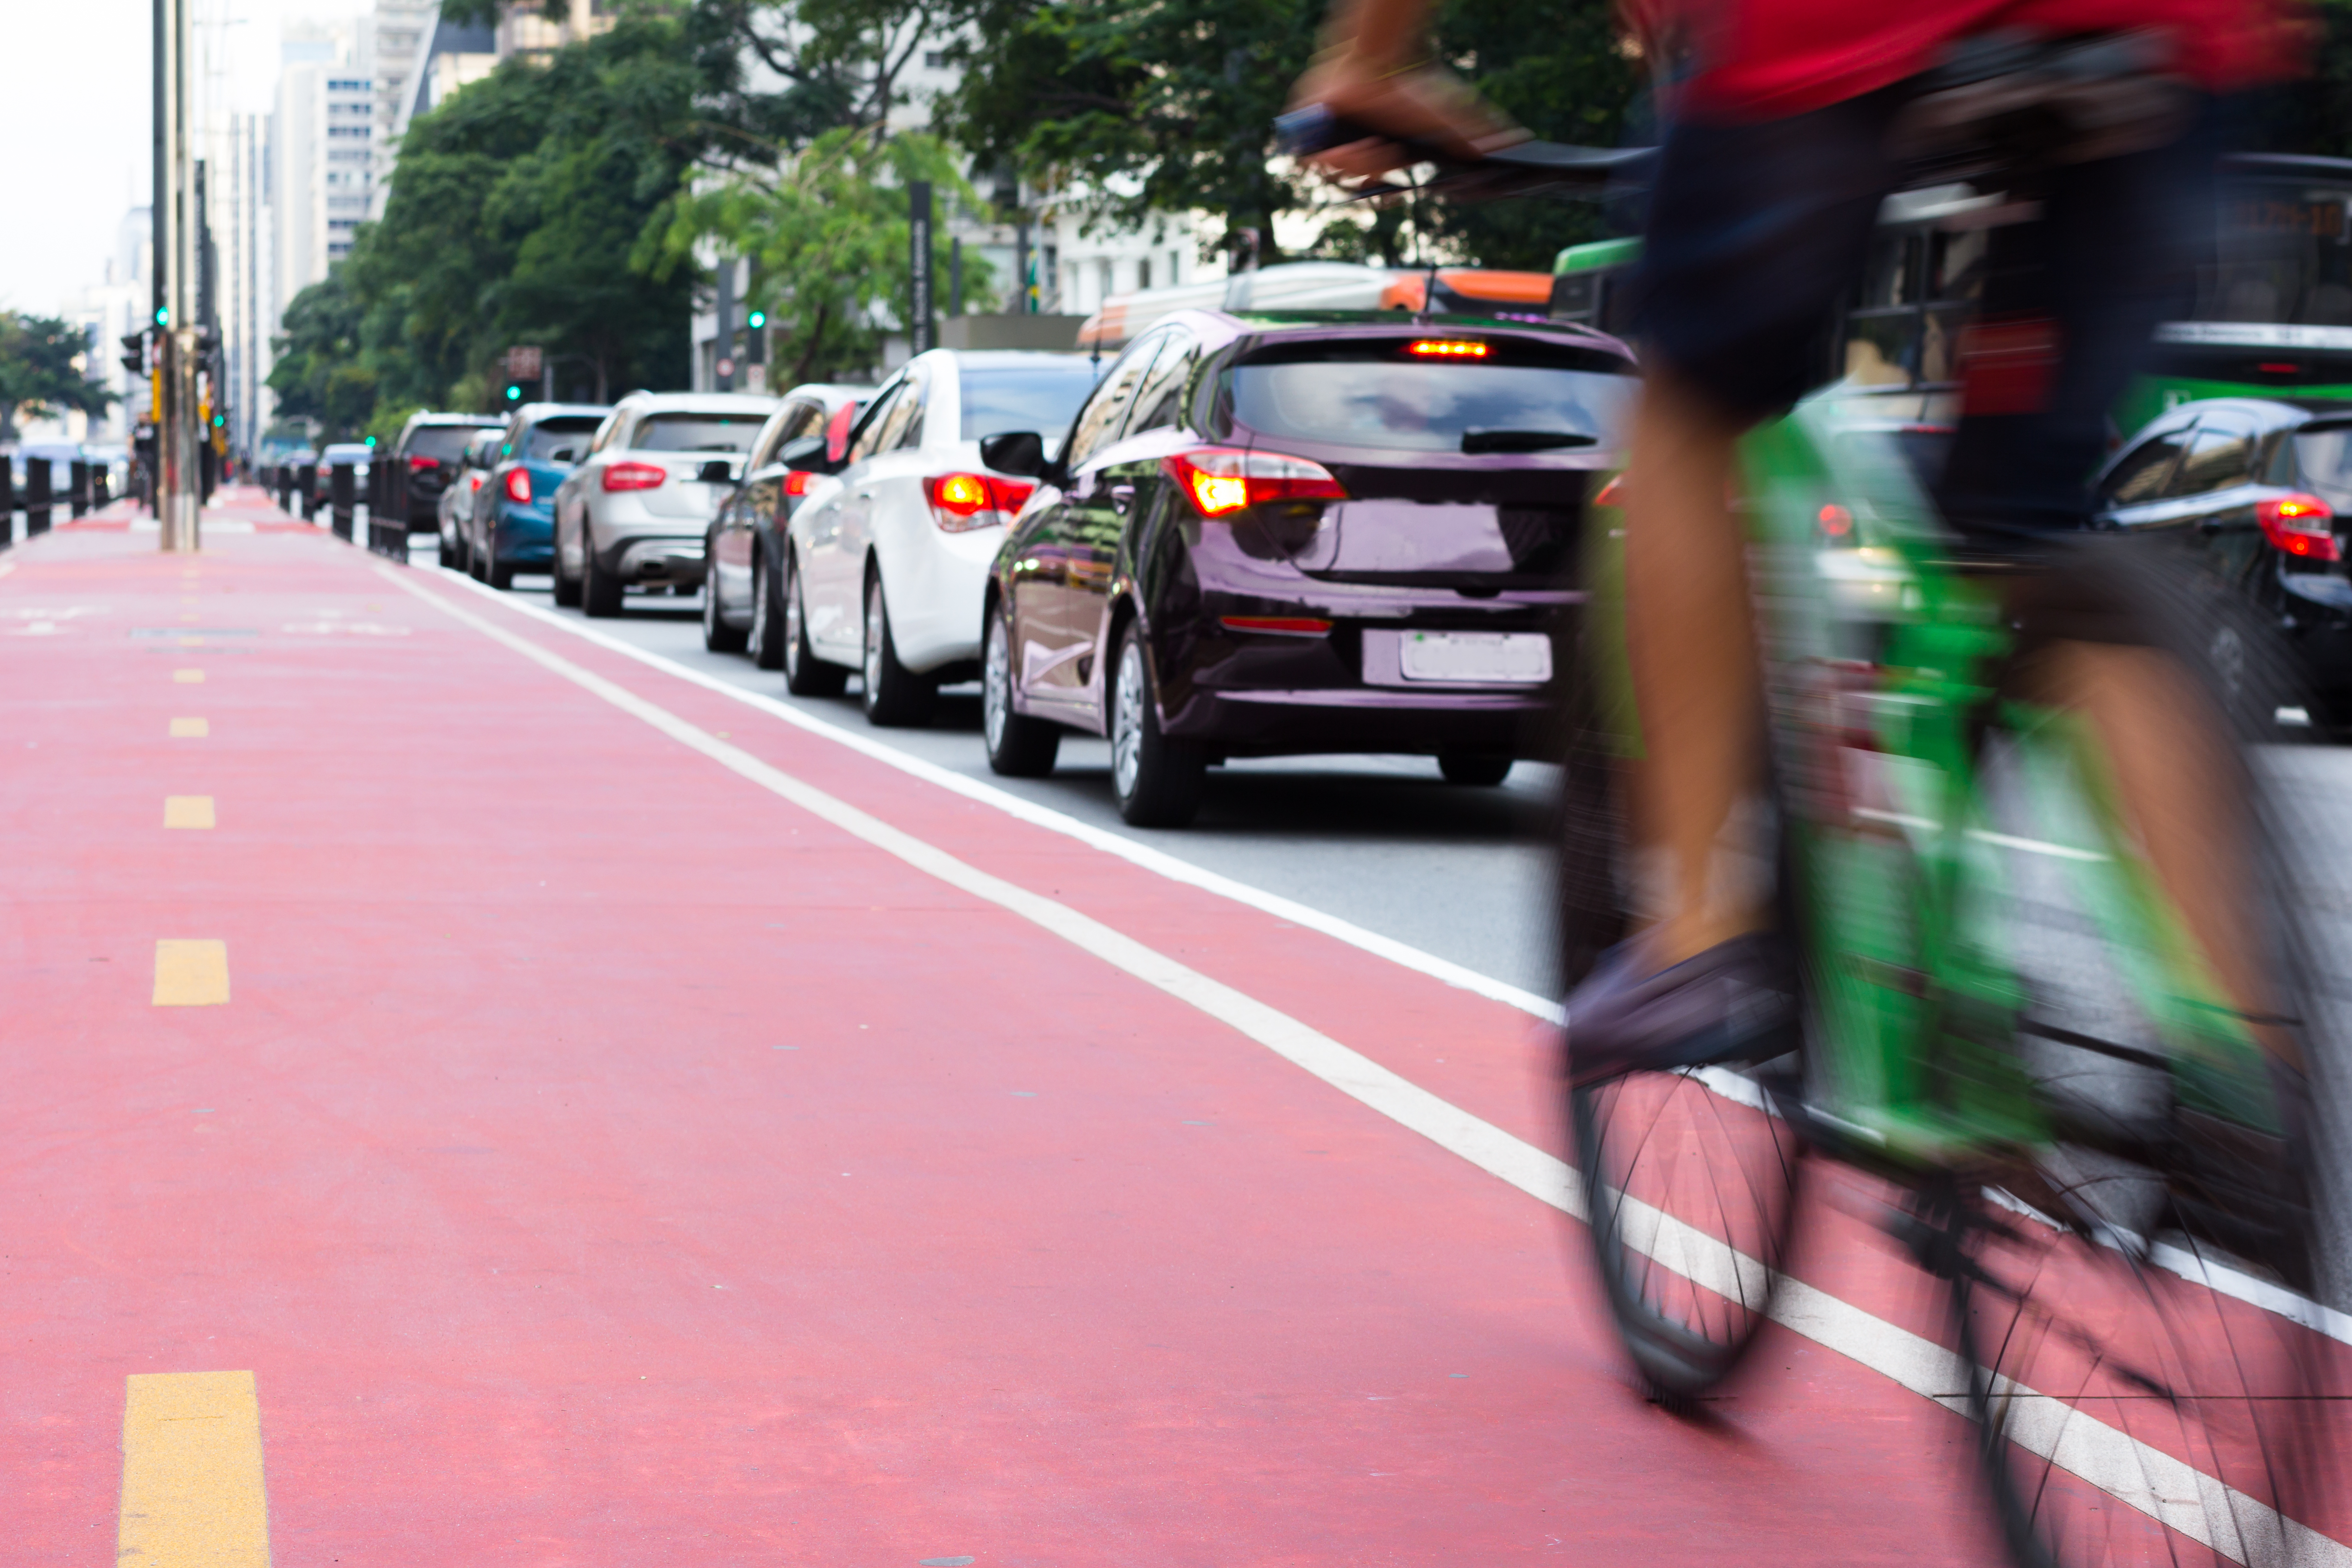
(829, 241)
(43, 362)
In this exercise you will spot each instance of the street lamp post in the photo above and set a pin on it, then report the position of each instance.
(175, 339)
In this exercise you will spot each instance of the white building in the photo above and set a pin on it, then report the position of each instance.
(106, 311)
(325, 168)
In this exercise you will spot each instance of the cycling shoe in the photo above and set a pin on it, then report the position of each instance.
(1729, 1003)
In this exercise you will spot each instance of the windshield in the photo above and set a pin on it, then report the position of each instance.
(2326, 458)
(442, 443)
(2280, 256)
(1042, 398)
(1390, 403)
(699, 432)
(548, 436)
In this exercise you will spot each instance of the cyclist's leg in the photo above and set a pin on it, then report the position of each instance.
(2090, 284)
(1755, 231)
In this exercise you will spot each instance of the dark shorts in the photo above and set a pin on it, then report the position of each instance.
(1759, 232)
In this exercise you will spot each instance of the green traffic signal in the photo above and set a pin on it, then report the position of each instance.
(759, 318)
(514, 393)
(162, 316)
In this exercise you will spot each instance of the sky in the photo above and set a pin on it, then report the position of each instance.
(76, 99)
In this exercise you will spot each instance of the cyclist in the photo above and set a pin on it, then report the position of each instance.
(1769, 180)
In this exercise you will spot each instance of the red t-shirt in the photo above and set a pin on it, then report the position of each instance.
(1762, 59)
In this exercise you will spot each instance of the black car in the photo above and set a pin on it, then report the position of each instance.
(1267, 536)
(428, 454)
(2258, 489)
(740, 605)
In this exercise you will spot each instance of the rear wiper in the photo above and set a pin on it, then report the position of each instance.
(1475, 440)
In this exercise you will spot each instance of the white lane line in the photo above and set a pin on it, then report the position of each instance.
(1917, 1364)
(1155, 860)
(2244, 1287)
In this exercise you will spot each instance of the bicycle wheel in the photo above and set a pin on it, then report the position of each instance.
(1688, 1178)
(2129, 1299)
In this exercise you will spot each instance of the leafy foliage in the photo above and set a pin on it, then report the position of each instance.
(828, 239)
(39, 376)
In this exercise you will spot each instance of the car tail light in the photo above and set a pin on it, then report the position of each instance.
(1836, 521)
(797, 481)
(1222, 479)
(635, 476)
(961, 503)
(519, 486)
(2301, 525)
(474, 482)
(1448, 348)
(1614, 492)
(1283, 625)
(417, 463)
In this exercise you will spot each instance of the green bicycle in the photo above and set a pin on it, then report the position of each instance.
(2000, 1016)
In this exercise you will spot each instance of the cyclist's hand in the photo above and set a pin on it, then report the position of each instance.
(1421, 108)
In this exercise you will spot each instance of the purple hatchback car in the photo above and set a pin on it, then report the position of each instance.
(1268, 535)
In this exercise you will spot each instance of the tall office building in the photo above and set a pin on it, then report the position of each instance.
(402, 32)
(324, 174)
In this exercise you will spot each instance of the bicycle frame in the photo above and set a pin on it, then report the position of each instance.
(1884, 670)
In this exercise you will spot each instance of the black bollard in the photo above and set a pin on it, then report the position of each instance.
(342, 495)
(37, 496)
(78, 473)
(306, 479)
(7, 499)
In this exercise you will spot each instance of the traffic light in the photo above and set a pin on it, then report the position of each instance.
(514, 392)
(758, 319)
(134, 352)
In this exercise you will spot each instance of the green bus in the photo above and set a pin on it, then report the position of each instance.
(2272, 315)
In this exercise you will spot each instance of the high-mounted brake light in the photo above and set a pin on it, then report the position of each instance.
(962, 502)
(519, 487)
(1836, 521)
(797, 481)
(1222, 479)
(634, 476)
(417, 463)
(2301, 525)
(1448, 348)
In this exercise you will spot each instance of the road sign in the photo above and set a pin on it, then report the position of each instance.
(523, 363)
(725, 367)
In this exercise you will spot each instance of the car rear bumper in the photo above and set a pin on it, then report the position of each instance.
(523, 539)
(1279, 724)
(655, 559)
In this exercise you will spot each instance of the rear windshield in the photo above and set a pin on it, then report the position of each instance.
(544, 439)
(1042, 398)
(446, 442)
(2325, 456)
(1923, 448)
(1359, 392)
(699, 432)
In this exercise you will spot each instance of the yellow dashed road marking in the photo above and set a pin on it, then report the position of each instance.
(190, 972)
(190, 728)
(191, 1483)
(187, 811)
(189, 677)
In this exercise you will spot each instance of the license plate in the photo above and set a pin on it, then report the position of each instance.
(1523, 658)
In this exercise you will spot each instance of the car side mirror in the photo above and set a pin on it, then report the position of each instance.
(714, 472)
(563, 454)
(1021, 452)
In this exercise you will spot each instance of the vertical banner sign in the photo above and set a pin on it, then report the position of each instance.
(918, 240)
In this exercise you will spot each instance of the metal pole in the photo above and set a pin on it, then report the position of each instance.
(175, 435)
(919, 336)
(722, 349)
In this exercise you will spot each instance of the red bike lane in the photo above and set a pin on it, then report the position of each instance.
(600, 1160)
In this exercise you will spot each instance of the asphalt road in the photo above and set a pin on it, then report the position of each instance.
(1381, 841)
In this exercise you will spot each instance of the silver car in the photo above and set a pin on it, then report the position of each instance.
(635, 510)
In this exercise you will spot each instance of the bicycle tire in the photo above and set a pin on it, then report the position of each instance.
(1688, 1180)
(2130, 1412)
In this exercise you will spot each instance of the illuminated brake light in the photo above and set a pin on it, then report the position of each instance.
(1218, 480)
(797, 481)
(634, 476)
(2301, 525)
(1836, 521)
(474, 482)
(1280, 626)
(418, 464)
(962, 502)
(519, 487)
(1614, 492)
(1448, 348)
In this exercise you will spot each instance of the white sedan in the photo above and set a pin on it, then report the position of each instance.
(889, 555)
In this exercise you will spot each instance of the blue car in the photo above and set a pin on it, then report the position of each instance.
(512, 528)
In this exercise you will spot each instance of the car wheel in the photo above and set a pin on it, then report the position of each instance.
(765, 639)
(717, 635)
(501, 576)
(1157, 781)
(454, 557)
(805, 675)
(1019, 746)
(1475, 767)
(476, 566)
(600, 591)
(567, 589)
(895, 695)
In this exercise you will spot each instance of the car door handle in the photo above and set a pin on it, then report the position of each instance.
(1122, 498)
